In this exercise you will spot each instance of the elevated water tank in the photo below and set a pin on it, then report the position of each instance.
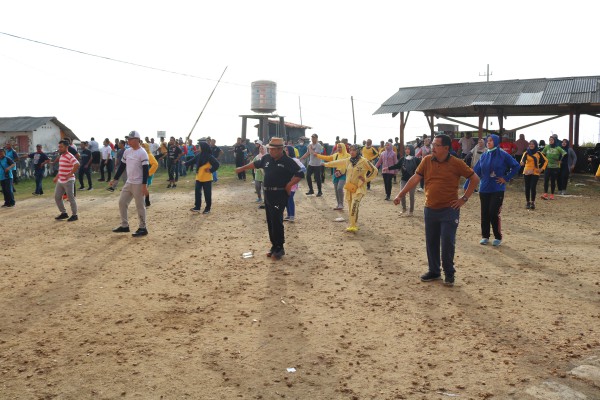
(264, 96)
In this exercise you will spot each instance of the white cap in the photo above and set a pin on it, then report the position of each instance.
(134, 135)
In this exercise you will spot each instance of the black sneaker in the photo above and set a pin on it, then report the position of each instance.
(277, 254)
(528, 206)
(72, 218)
(532, 207)
(449, 280)
(121, 229)
(62, 216)
(90, 188)
(194, 209)
(80, 188)
(110, 189)
(319, 194)
(140, 232)
(310, 193)
(430, 276)
(206, 211)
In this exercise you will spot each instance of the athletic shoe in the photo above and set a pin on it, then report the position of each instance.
(484, 241)
(419, 189)
(258, 201)
(169, 186)
(387, 199)
(277, 254)
(121, 229)
(81, 188)
(72, 218)
(532, 206)
(352, 229)
(291, 219)
(430, 276)
(90, 188)
(35, 194)
(449, 280)
(110, 189)
(195, 210)
(62, 216)
(140, 232)
(528, 206)
(310, 193)
(551, 197)
(262, 207)
(545, 196)
(174, 186)
(206, 212)
(410, 214)
(319, 194)
(496, 242)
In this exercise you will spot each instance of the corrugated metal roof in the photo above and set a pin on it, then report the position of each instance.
(30, 124)
(548, 95)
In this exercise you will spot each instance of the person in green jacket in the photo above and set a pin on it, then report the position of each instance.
(554, 153)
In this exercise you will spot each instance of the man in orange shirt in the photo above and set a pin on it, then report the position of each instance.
(442, 172)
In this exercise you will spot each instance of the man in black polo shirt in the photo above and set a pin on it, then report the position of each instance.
(281, 173)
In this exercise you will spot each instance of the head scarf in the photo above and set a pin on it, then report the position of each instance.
(204, 155)
(535, 149)
(354, 160)
(496, 140)
(553, 144)
(565, 140)
(412, 151)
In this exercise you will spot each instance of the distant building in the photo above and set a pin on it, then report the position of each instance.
(24, 133)
(292, 131)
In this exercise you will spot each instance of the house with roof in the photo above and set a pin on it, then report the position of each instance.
(24, 133)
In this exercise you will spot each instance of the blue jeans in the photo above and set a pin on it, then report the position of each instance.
(39, 176)
(291, 206)
(440, 226)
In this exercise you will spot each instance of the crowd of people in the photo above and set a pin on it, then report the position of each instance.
(433, 166)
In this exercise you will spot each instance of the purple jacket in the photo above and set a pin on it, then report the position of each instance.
(387, 159)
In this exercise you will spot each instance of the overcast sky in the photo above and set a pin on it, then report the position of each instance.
(322, 52)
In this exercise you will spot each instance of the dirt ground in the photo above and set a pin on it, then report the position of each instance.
(179, 314)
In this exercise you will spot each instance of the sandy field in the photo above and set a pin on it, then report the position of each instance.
(179, 314)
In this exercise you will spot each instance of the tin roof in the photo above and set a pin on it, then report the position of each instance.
(30, 124)
(514, 97)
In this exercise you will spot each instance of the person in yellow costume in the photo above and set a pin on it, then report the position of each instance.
(359, 172)
(339, 175)
(370, 153)
(151, 171)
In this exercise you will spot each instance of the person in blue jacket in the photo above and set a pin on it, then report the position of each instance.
(495, 168)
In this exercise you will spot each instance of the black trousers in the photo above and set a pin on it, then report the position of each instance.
(207, 188)
(531, 186)
(109, 168)
(171, 166)
(318, 172)
(491, 207)
(387, 183)
(563, 178)
(239, 162)
(551, 174)
(85, 172)
(275, 203)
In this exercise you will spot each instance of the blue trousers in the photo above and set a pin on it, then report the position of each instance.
(291, 206)
(7, 191)
(39, 176)
(440, 228)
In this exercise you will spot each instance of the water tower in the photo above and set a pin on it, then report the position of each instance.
(264, 104)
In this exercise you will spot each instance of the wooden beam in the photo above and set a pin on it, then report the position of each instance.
(539, 122)
(462, 123)
(593, 115)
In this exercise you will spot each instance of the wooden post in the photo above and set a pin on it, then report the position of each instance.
(571, 123)
(430, 122)
(244, 123)
(576, 141)
(402, 126)
(480, 125)
(500, 121)
(282, 129)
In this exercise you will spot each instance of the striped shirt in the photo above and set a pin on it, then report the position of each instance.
(66, 162)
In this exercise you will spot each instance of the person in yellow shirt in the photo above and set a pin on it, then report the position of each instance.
(533, 162)
(370, 153)
(205, 164)
(359, 172)
(153, 167)
(339, 175)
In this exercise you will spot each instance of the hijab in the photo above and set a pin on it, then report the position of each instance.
(204, 155)
(412, 152)
(535, 149)
(355, 160)
(553, 144)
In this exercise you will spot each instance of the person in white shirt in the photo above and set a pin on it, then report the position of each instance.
(135, 161)
(106, 156)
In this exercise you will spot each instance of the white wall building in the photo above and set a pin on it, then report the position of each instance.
(24, 133)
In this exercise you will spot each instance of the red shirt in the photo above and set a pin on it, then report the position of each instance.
(66, 162)
(509, 147)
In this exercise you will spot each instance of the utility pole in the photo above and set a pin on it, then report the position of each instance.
(353, 119)
(487, 75)
(300, 107)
